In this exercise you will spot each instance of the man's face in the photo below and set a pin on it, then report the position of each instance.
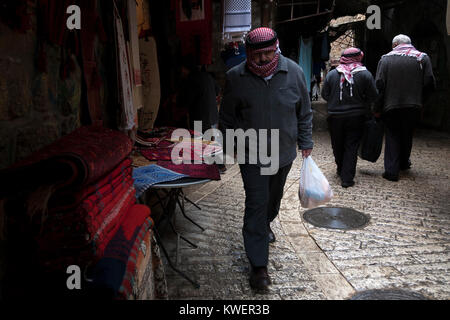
(263, 58)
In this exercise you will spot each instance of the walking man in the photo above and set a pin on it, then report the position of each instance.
(349, 90)
(267, 91)
(405, 80)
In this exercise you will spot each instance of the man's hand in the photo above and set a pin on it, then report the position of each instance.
(306, 153)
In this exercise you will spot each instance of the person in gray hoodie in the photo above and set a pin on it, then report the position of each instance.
(349, 90)
(405, 80)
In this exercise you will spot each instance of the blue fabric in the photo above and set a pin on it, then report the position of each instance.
(232, 59)
(305, 60)
(145, 177)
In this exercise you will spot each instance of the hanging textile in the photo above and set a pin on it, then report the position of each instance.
(92, 26)
(326, 47)
(194, 28)
(237, 16)
(134, 55)
(305, 60)
(448, 18)
(143, 17)
(129, 115)
(150, 83)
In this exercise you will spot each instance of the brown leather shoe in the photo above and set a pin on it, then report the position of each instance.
(259, 278)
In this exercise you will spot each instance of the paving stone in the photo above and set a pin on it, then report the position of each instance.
(406, 244)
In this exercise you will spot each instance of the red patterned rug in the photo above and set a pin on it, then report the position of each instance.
(201, 171)
(79, 158)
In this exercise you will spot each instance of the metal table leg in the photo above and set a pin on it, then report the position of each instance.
(184, 213)
(158, 239)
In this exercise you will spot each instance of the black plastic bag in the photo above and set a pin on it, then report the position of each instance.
(372, 140)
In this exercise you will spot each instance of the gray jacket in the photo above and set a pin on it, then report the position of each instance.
(283, 103)
(403, 82)
(364, 93)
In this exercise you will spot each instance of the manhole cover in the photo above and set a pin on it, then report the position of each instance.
(336, 218)
(388, 294)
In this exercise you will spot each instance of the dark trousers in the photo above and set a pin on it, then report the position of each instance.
(262, 203)
(400, 125)
(346, 134)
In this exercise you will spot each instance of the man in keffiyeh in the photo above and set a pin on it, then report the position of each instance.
(349, 90)
(405, 80)
(267, 91)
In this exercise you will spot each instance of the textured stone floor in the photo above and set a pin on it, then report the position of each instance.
(406, 244)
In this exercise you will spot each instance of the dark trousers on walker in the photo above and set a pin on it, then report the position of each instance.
(346, 134)
(262, 203)
(400, 125)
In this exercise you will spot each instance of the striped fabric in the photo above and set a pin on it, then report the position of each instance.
(237, 16)
(350, 64)
(406, 50)
(257, 36)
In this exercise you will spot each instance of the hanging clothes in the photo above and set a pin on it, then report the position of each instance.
(305, 60)
(326, 47)
(134, 54)
(129, 115)
(237, 16)
(92, 28)
(194, 28)
(150, 83)
(448, 18)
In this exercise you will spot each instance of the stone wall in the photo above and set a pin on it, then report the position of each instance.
(37, 108)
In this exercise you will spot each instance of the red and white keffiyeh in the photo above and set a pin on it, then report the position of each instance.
(406, 50)
(262, 40)
(350, 65)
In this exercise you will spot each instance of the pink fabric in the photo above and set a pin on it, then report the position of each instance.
(407, 50)
(349, 66)
(261, 35)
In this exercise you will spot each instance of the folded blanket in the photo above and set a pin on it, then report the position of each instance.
(69, 199)
(77, 159)
(84, 234)
(119, 258)
(145, 177)
(195, 151)
(202, 171)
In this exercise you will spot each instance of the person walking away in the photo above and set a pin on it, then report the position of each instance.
(405, 80)
(349, 91)
(267, 91)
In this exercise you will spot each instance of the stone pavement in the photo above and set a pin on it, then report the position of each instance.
(406, 244)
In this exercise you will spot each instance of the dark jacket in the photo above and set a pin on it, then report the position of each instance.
(250, 102)
(198, 96)
(364, 93)
(403, 82)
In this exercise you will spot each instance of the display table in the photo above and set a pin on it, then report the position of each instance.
(173, 191)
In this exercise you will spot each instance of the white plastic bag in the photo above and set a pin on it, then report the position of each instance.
(314, 187)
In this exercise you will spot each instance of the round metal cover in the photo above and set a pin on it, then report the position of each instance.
(336, 218)
(388, 294)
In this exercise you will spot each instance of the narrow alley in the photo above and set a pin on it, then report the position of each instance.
(406, 244)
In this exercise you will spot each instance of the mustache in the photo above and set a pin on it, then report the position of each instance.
(263, 63)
